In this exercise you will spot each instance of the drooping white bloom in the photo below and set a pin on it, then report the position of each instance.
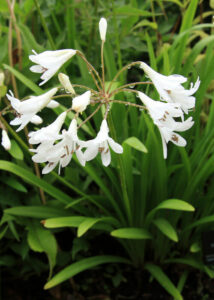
(80, 103)
(103, 29)
(101, 144)
(65, 82)
(49, 133)
(163, 115)
(62, 152)
(49, 62)
(5, 141)
(170, 88)
(26, 110)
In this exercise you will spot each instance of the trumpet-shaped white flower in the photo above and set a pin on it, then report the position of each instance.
(80, 103)
(62, 152)
(101, 144)
(49, 62)
(65, 82)
(103, 29)
(159, 111)
(163, 115)
(49, 133)
(170, 88)
(5, 142)
(27, 110)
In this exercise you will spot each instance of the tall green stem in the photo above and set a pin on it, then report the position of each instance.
(121, 174)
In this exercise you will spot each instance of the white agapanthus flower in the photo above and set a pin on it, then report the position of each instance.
(27, 109)
(101, 144)
(80, 103)
(65, 82)
(5, 141)
(49, 62)
(170, 88)
(103, 29)
(163, 115)
(61, 152)
(49, 133)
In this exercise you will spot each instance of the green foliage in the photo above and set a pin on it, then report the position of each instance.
(147, 204)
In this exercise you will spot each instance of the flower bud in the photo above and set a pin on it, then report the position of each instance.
(103, 28)
(2, 77)
(5, 140)
(80, 103)
(65, 82)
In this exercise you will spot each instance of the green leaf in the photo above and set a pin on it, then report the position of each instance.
(39, 212)
(90, 222)
(202, 221)
(86, 225)
(42, 240)
(136, 144)
(83, 265)
(34, 180)
(166, 228)
(15, 150)
(194, 248)
(64, 222)
(131, 233)
(30, 84)
(173, 204)
(164, 280)
(15, 184)
(128, 10)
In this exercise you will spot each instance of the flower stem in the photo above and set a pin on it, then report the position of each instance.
(128, 103)
(121, 174)
(122, 70)
(90, 67)
(91, 115)
(128, 85)
(103, 67)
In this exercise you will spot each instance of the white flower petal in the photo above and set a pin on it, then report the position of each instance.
(115, 146)
(106, 157)
(36, 120)
(49, 167)
(53, 104)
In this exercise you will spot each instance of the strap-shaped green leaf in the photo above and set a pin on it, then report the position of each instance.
(34, 180)
(166, 228)
(83, 265)
(131, 233)
(164, 280)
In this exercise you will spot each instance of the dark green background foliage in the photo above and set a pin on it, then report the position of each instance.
(151, 213)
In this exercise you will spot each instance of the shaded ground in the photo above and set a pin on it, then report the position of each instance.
(101, 285)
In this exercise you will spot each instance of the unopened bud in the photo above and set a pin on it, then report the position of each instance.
(103, 28)
(65, 82)
(2, 77)
(5, 140)
(80, 103)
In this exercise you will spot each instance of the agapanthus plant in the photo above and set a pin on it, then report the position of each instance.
(56, 145)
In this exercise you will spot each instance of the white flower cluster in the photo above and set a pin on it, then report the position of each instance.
(179, 100)
(56, 146)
